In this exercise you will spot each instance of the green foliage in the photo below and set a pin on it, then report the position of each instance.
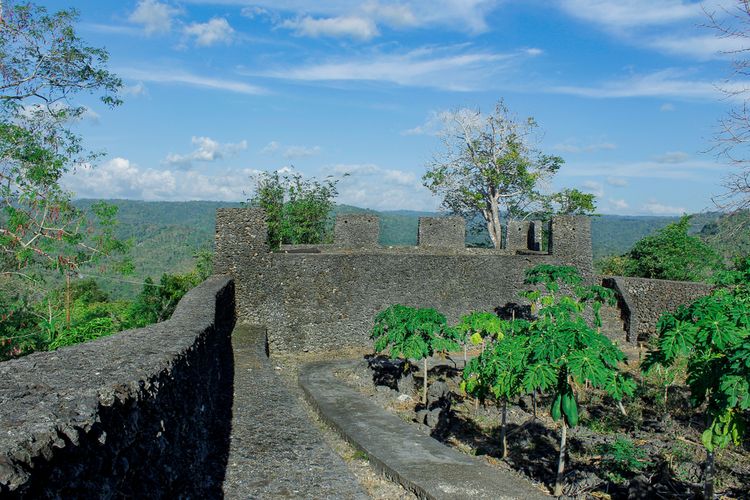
(672, 254)
(713, 333)
(490, 168)
(412, 333)
(297, 209)
(622, 459)
(572, 202)
(479, 326)
(44, 65)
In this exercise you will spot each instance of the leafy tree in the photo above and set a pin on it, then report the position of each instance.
(490, 167)
(296, 209)
(413, 334)
(478, 327)
(713, 333)
(672, 254)
(566, 351)
(43, 67)
(572, 202)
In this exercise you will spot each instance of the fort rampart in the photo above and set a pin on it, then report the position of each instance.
(140, 414)
(325, 296)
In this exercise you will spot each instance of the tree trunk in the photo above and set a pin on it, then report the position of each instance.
(504, 429)
(561, 461)
(708, 483)
(533, 402)
(424, 385)
(67, 299)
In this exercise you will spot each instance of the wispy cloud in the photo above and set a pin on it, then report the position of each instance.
(617, 182)
(291, 152)
(656, 208)
(673, 157)
(457, 68)
(594, 187)
(618, 14)
(617, 172)
(573, 147)
(184, 78)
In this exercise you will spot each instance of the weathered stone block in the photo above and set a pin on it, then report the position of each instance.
(356, 230)
(444, 232)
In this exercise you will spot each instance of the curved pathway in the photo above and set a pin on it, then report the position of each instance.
(275, 451)
(420, 463)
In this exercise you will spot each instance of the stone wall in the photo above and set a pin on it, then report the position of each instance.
(642, 301)
(326, 297)
(140, 414)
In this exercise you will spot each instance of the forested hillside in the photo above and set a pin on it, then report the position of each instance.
(166, 235)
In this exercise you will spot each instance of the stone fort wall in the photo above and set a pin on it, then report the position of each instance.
(144, 413)
(325, 296)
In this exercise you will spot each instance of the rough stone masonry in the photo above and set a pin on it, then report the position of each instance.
(325, 296)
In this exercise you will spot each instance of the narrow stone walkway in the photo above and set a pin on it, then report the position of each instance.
(275, 451)
(421, 464)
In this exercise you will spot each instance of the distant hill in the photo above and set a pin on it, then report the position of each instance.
(166, 235)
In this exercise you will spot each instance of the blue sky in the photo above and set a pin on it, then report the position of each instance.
(626, 91)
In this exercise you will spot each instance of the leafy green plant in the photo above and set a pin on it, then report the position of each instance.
(297, 209)
(499, 370)
(413, 334)
(566, 352)
(713, 333)
(622, 458)
(478, 327)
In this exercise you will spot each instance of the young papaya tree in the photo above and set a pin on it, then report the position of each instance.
(713, 333)
(566, 350)
(412, 333)
(477, 327)
(499, 371)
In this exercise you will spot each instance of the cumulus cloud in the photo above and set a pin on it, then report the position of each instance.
(135, 90)
(371, 186)
(121, 178)
(154, 16)
(673, 157)
(208, 150)
(349, 26)
(215, 31)
(618, 204)
(656, 208)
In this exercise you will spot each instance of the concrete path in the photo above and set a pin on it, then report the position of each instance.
(421, 464)
(275, 451)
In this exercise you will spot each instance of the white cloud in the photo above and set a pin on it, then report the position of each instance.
(617, 182)
(120, 178)
(291, 152)
(135, 90)
(572, 147)
(208, 150)
(618, 204)
(271, 147)
(301, 151)
(665, 83)
(450, 68)
(656, 208)
(700, 47)
(534, 51)
(350, 26)
(594, 187)
(618, 14)
(667, 107)
(673, 157)
(216, 30)
(193, 80)
(434, 124)
(691, 169)
(371, 186)
(156, 17)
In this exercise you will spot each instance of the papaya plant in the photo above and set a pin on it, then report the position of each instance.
(413, 334)
(478, 327)
(713, 333)
(499, 371)
(567, 352)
